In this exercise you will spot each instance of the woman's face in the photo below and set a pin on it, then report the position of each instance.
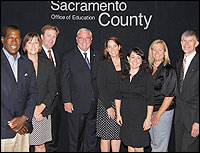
(158, 52)
(134, 60)
(113, 49)
(32, 46)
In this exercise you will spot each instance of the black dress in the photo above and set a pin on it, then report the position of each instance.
(108, 83)
(136, 96)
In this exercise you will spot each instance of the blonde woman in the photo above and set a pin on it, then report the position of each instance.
(165, 81)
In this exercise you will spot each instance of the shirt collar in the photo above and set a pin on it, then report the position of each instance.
(190, 57)
(46, 50)
(87, 51)
(9, 56)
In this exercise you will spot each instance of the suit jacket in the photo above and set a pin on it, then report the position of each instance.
(187, 101)
(78, 81)
(108, 82)
(58, 60)
(17, 98)
(46, 82)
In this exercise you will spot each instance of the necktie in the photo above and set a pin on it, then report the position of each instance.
(87, 61)
(50, 57)
(184, 63)
(182, 70)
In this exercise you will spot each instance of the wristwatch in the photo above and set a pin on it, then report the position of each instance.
(26, 117)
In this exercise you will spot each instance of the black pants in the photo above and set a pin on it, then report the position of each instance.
(184, 142)
(82, 132)
(52, 146)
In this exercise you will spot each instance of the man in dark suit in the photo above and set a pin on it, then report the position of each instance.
(187, 99)
(18, 93)
(79, 92)
(49, 34)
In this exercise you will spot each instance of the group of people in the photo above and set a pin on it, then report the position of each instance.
(121, 99)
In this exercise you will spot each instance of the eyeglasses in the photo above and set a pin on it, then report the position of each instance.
(87, 39)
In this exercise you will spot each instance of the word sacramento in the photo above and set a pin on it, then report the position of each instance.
(89, 6)
(105, 19)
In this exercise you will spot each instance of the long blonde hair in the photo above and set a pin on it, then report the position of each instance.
(166, 59)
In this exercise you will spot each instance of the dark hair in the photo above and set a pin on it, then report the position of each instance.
(14, 27)
(126, 67)
(116, 40)
(30, 36)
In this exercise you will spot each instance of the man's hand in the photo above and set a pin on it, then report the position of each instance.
(68, 107)
(23, 130)
(195, 130)
(17, 123)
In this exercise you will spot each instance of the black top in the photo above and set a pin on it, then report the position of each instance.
(165, 82)
(108, 81)
(135, 97)
(46, 83)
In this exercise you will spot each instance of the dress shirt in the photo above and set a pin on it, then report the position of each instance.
(13, 63)
(88, 53)
(52, 53)
(188, 61)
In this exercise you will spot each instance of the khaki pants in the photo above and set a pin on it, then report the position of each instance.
(20, 143)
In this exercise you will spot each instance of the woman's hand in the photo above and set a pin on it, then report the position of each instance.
(155, 119)
(147, 124)
(119, 120)
(111, 113)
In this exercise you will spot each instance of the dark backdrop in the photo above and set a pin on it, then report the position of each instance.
(169, 20)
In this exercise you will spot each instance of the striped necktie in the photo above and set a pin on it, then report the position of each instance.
(87, 61)
(50, 57)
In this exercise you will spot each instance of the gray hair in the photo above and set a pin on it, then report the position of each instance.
(84, 30)
(190, 33)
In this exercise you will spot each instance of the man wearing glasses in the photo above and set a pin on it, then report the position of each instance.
(79, 92)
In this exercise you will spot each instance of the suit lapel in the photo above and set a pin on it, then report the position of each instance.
(81, 59)
(5, 63)
(192, 68)
(93, 60)
(21, 73)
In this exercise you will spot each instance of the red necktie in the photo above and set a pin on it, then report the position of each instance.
(50, 57)
(184, 62)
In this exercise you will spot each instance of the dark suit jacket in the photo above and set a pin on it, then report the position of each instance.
(17, 98)
(78, 81)
(187, 101)
(58, 60)
(108, 82)
(46, 82)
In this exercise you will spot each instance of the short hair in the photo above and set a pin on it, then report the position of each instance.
(116, 40)
(166, 59)
(30, 36)
(14, 27)
(190, 33)
(50, 27)
(84, 30)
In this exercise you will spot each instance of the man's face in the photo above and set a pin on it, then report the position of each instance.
(12, 41)
(189, 44)
(49, 38)
(84, 40)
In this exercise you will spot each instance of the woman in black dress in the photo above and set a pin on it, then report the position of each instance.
(134, 102)
(108, 82)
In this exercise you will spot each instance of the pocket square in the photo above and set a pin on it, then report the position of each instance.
(26, 74)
